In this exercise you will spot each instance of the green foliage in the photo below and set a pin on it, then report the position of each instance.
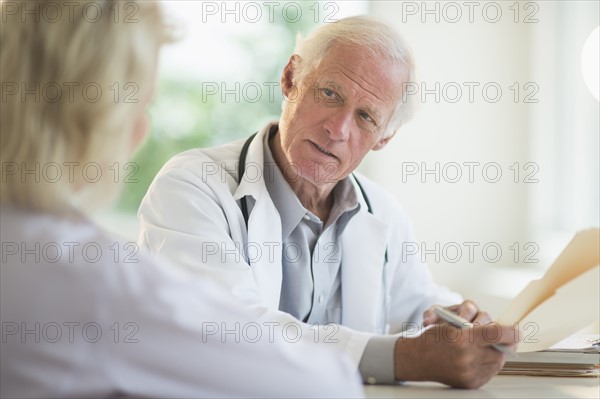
(178, 122)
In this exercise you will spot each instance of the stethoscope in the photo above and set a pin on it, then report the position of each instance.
(244, 203)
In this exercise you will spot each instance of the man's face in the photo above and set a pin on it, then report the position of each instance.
(338, 113)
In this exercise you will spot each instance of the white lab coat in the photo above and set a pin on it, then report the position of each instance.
(192, 210)
(86, 323)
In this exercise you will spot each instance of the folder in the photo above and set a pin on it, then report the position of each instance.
(564, 301)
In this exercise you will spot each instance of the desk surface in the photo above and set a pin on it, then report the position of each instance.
(501, 386)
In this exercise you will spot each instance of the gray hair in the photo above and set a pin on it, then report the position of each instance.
(368, 33)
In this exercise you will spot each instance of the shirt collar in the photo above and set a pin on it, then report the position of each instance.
(345, 204)
(291, 210)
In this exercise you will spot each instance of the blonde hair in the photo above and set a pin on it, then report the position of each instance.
(73, 82)
(367, 33)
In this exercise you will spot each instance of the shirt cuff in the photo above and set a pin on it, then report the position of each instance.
(377, 363)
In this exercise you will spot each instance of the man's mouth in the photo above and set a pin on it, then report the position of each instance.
(323, 150)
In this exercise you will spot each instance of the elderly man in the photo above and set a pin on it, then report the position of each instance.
(282, 221)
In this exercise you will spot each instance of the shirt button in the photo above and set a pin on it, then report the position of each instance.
(371, 380)
(306, 217)
(320, 298)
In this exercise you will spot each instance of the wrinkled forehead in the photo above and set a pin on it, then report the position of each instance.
(375, 73)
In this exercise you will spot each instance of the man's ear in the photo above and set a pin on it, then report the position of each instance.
(289, 73)
(384, 141)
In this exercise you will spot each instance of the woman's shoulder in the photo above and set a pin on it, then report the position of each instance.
(66, 241)
(72, 254)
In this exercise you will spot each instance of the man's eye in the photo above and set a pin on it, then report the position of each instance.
(329, 93)
(366, 117)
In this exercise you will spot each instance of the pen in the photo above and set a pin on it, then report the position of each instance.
(457, 321)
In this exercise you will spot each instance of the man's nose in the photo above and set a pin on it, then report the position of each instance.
(338, 125)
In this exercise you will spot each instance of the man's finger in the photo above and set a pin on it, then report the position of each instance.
(482, 318)
(494, 333)
(429, 317)
(468, 310)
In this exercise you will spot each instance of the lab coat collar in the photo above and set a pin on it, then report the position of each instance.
(253, 182)
(264, 224)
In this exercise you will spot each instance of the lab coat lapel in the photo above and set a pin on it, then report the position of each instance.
(264, 225)
(363, 256)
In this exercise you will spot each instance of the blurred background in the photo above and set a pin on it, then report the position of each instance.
(498, 169)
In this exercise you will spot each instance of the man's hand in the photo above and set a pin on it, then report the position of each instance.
(462, 358)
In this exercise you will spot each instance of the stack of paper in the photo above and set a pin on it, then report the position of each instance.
(577, 356)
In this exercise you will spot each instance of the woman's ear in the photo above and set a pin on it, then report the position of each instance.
(289, 73)
(140, 130)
